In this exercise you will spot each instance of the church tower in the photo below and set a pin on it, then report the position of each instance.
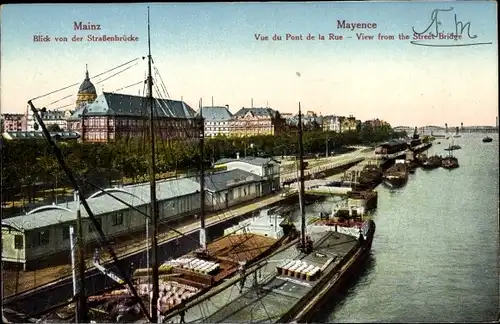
(86, 93)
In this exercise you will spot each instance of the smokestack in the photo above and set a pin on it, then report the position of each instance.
(446, 128)
(212, 101)
(461, 127)
(251, 103)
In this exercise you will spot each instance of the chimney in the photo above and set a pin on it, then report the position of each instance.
(237, 155)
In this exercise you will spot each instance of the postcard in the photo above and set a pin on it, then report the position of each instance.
(250, 162)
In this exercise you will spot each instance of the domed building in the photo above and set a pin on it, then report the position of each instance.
(86, 93)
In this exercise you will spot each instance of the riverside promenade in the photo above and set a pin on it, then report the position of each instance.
(325, 164)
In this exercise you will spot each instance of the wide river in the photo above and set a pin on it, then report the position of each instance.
(435, 251)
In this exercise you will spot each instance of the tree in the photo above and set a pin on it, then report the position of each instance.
(54, 128)
(29, 161)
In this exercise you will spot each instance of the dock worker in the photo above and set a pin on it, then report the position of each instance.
(242, 275)
(97, 256)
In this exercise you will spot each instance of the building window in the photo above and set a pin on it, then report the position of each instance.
(65, 233)
(118, 219)
(43, 238)
(18, 242)
(244, 191)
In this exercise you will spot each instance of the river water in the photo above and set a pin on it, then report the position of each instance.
(435, 251)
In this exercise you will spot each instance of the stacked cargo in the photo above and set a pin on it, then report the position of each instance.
(171, 294)
(194, 264)
(298, 269)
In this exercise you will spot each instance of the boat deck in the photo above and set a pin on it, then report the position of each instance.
(275, 294)
(227, 252)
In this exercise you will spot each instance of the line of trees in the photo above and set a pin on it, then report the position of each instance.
(31, 162)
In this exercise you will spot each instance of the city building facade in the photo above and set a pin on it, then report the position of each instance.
(118, 116)
(55, 120)
(330, 123)
(217, 120)
(256, 121)
(12, 122)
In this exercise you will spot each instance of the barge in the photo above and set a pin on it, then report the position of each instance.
(292, 285)
(432, 162)
(397, 175)
(450, 162)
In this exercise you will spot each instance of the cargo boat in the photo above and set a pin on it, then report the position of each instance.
(432, 162)
(293, 285)
(368, 178)
(450, 162)
(453, 148)
(397, 175)
(188, 277)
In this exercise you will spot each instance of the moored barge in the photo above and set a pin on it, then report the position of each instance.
(397, 175)
(291, 286)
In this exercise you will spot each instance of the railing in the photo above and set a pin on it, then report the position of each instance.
(322, 168)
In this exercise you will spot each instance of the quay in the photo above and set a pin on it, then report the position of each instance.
(322, 186)
(328, 164)
(57, 282)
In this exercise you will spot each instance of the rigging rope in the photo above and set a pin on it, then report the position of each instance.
(126, 87)
(75, 84)
(162, 84)
(101, 81)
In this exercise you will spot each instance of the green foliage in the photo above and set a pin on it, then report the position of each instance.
(53, 128)
(28, 161)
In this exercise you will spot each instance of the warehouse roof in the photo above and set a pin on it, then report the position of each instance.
(227, 179)
(259, 161)
(393, 143)
(135, 195)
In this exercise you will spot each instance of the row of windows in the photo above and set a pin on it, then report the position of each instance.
(42, 238)
(216, 123)
(256, 123)
(116, 220)
(217, 128)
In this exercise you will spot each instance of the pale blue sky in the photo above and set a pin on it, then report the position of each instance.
(205, 50)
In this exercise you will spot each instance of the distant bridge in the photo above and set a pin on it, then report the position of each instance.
(427, 130)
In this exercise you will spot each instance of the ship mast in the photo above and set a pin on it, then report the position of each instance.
(203, 234)
(82, 302)
(301, 183)
(152, 184)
